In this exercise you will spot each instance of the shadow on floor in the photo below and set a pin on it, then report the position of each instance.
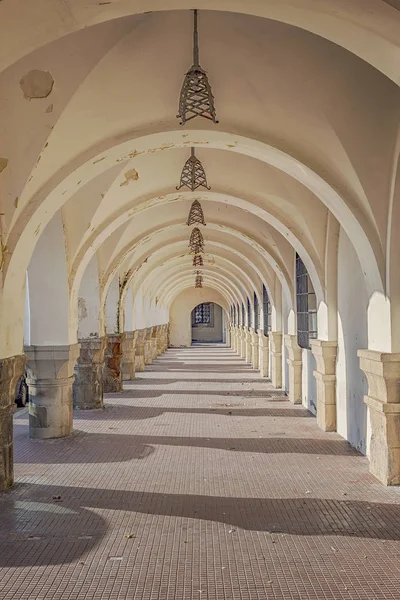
(137, 413)
(83, 447)
(40, 532)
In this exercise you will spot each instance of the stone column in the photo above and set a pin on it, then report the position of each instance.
(160, 339)
(128, 355)
(255, 352)
(11, 369)
(139, 354)
(112, 370)
(242, 342)
(50, 376)
(147, 347)
(233, 338)
(295, 362)
(153, 340)
(248, 347)
(263, 360)
(325, 375)
(276, 358)
(383, 375)
(87, 388)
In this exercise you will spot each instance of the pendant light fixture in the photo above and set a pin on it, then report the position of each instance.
(196, 99)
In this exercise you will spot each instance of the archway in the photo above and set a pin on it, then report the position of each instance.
(208, 324)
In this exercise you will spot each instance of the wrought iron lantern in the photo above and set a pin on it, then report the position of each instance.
(198, 260)
(196, 214)
(196, 241)
(196, 99)
(193, 175)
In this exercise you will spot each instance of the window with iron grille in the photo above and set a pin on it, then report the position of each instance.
(203, 314)
(243, 316)
(234, 315)
(238, 314)
(306, 306)
(266, 311)
(256, 313)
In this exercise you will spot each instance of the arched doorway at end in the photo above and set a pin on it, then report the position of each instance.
(208, 324)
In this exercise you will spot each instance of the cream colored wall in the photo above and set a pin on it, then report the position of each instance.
(181, 310)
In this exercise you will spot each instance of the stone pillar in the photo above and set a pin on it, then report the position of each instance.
(383, 375)
(160, 339)
(294, 361)
(112, 370)
(50, 376)
(276, 358)
(11, 369)
(147, 347)
(139, 354)
(248, 346)
(87, 388)
(325, 375)
(263, 360)
(128, 355)
(255, 352)
(153, 340)
(242, 339)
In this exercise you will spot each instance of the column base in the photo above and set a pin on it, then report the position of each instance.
(11, 369)
(112, 370)
(128, 355)
(87, 389)
(383, 401)
(50, 377)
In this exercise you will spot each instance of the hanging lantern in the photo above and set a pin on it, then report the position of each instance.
(196, 214)
(196, 99)
(196, 242)
(193, 175)
(198, 260)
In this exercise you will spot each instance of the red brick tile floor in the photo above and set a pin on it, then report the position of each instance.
(199, 481)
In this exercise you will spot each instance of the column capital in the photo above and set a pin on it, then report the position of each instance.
(294, 350)
(325, 356)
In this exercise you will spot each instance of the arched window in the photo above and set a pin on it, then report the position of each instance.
(306, 306)
(266, 311)
(248, 313)
(256, 313)
(243, 316)
(203, 314)
(238, 314)
(234, 314)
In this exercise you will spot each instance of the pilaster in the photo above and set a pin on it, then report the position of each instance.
(112, 370)
(294, 362)
(50, 376)
(87, 389)
(276, 358)
(153, 340)
(128, 355)
(325, 376)
(263, 361)
(383, 400)
(11, 369)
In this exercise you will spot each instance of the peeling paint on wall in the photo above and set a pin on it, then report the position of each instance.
(131, 175)
(37, 84)
(3, 164)
(82, 309)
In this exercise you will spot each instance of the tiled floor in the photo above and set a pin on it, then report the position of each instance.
(197, 482)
